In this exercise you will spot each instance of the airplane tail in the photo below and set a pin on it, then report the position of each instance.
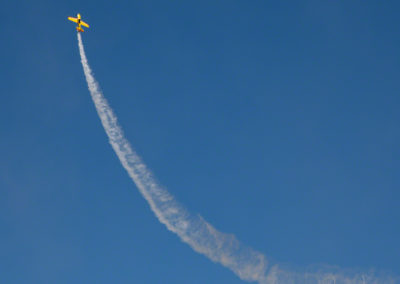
(79, 29)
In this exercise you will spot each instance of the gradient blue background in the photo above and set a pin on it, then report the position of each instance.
(275, 120)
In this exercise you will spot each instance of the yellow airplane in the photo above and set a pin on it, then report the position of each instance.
(79, 22)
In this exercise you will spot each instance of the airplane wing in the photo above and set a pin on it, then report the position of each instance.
(84, 24)
(75, 20)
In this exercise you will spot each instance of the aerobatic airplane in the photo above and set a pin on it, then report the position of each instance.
(79, 22)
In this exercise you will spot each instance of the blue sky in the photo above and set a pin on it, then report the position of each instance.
(276, 122)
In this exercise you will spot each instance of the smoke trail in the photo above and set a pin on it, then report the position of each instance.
(192, 229)
(223, 248)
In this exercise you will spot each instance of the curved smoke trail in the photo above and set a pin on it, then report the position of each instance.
(225, 249)
(192, 229)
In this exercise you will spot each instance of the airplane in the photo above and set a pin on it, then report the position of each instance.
(79, 22)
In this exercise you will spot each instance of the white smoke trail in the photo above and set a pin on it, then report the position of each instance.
(192, 229)
(225, 249)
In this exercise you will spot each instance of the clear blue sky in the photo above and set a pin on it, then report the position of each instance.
(275, 120)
